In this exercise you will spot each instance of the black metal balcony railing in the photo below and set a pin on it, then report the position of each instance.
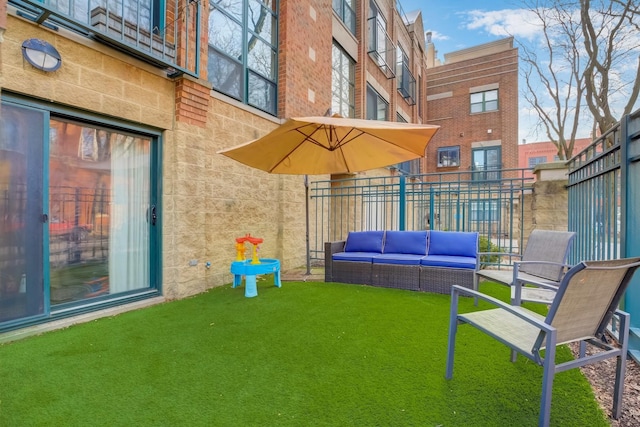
(346, 14)
(168, 38)
(381, 49)
(406, 83)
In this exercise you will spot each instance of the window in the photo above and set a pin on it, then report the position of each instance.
(485, 210)
(448, 156)
(243, 51)
(380, 47)
(419, 97)
(377, 107)
(484, 101)
(486, 163)
(411, 167)
(342, 83)
(406, 81)
(344, 10)
(536, 160)
(100, 207)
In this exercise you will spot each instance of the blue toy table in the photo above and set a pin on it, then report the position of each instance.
(245, 268)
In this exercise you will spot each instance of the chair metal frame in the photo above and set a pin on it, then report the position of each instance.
(529, 333)
(538, 267)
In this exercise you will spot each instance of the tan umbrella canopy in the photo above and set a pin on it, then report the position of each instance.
(331, 145)
(326, 145)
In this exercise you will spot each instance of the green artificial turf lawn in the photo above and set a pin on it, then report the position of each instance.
(306, 354)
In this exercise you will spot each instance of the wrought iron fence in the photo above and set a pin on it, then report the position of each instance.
(454, 201)
(604, 200)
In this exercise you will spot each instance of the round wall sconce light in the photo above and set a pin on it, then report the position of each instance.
(41, 54)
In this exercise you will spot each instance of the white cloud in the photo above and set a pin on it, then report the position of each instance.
(520, 23)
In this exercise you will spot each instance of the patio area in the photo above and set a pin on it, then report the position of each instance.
(309, 353)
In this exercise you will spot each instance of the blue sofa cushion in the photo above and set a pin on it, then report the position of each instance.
(454, 243)
(449, 261)
(405, 242)
(402, 259)
(355, 256)
(364, 241)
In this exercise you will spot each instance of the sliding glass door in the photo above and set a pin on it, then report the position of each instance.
(22, 295)
(78, 214)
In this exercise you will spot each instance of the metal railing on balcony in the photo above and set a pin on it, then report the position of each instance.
(381, 49)
(346, 14)
(406, 83)
(163, 33)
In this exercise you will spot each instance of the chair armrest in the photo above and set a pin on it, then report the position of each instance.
(331, 248)
(517, 311)
(334, 247)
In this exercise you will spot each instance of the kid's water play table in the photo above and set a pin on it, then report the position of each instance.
(249, 271)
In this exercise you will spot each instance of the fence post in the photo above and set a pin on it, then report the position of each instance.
(403, 203)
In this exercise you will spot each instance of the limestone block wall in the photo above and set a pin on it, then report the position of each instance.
(546, 207)
(207, 199)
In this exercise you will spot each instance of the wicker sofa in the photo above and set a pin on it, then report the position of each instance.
(430, 261)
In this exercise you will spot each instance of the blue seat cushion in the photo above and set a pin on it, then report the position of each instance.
(449, 261)
(405, 242)
(454, 243)
(402, 259)
(354, 256)
(364, 241)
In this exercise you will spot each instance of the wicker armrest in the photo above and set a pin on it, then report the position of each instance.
(331, 248)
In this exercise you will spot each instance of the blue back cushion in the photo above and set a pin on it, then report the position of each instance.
(405, 242)
(456, 243)
(364, 241)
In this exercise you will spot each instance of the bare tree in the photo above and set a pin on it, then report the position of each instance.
(587, 66)
(611, 42)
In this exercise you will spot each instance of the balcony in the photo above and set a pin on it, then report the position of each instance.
(406, 83)
(381, 49)
(163, 33)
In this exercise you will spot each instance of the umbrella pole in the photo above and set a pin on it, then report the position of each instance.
(306, 207)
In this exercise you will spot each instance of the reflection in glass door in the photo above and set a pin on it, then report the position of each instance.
(21, 220)
(99, 210)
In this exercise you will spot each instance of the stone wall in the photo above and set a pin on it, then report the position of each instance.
(546, 206)
(207, 199)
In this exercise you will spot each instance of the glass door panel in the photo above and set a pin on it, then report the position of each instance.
(99, 207)
(21, 208)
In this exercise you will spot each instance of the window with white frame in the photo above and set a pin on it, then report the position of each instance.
(448, 156)
(484, 101)
(343, 82)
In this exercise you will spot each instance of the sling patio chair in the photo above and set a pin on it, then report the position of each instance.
(584, 306)
(537, 275)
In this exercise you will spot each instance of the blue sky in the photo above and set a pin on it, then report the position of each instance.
(459, 24)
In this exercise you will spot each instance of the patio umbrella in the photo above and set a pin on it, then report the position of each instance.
(332, 145)
(329, 145)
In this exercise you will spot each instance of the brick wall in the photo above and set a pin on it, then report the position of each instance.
(448, 106)
(304, 68)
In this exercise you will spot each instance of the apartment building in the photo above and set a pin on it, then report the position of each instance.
(473, 96)
(112, 114)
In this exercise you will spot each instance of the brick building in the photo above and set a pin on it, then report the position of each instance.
(473, 96)
(534, 153)
(113, 191)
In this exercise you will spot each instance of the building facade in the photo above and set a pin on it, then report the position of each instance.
(473, 96)
(112, 114)
(534, 153)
